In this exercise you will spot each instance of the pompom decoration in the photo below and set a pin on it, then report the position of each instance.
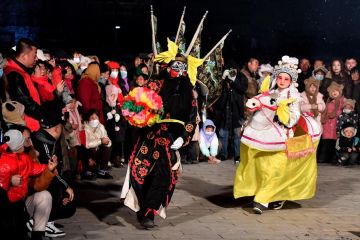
(142, 107)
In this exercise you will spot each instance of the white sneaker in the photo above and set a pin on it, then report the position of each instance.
(52, 231)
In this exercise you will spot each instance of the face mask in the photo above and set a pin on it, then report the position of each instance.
(76, 59)
(114, 74)
(123, 74)
(208, 133)
(319, 77)
(1, 72)
(94, 123)
(347, 111)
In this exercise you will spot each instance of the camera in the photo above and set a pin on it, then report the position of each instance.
(232, 72)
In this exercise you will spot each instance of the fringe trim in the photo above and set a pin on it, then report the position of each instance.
(300, 154)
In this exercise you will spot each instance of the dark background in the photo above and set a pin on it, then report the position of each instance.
(262, 28)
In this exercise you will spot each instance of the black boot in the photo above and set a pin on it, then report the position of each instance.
(37, 235)
(146, 221)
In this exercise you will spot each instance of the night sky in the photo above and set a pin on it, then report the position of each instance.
(262, 28)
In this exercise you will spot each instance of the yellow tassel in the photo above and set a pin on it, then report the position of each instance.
(283, 110)
(168, 55)
(265, 85)
(193, 64)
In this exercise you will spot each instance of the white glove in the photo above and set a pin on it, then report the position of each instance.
(177, 144)
(117, 117)
(109, 115)
(225, 74)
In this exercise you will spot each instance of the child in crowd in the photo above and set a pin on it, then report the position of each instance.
(334, 106)
(347, 145)
(115, 125)
(312, 101)
(72, 129)
(141, 80)
(348, 115)
(209, 143)
(16, 168)
(98, 145)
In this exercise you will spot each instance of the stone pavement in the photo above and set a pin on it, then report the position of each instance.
(203, 208)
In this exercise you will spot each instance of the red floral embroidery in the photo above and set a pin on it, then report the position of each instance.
(143, 171)
(146, 163)
(137, 162)
(156, 155)
(144, 150)
(161, 141)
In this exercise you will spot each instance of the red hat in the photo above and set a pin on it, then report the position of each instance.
(113, 65)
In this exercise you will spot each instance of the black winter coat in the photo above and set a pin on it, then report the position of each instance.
(233, 92)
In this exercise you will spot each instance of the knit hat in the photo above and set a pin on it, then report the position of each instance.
(348, 126)
(13, 112)
(350, 102)
(334, 86)
(321, 68)
(113, 65)
(311, 81)
(16, 140)
(265, 68)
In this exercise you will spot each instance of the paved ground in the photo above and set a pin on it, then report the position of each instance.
(203, 208)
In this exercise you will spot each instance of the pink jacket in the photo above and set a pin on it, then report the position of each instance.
(305, 106)
(329, 127)
(74, 118)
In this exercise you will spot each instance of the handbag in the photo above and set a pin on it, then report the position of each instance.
(299, 146)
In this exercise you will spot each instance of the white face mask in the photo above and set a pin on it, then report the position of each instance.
(94, 123)
(114, 74)
(209, 133)
(347, 111)
(76, 59)
(123, 74)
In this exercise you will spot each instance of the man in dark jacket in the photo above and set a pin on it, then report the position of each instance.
(20, 86)
(46, 143)
(229, 110)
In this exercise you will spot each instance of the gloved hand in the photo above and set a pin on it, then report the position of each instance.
(177, 143)
(225, 74)
(109, 116)
(117, 117)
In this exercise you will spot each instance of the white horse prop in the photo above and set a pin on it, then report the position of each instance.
(265, 134)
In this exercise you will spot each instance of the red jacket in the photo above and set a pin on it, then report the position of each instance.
(89, 96)
(46, 90)
(12, 164)
(12, 66)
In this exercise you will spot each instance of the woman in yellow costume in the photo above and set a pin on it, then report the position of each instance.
(278, 145)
